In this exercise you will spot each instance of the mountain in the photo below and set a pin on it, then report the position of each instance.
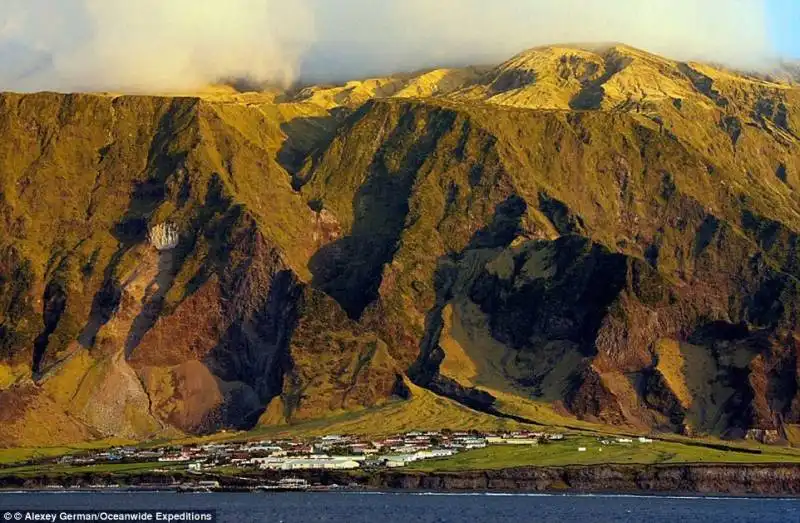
(581, 235)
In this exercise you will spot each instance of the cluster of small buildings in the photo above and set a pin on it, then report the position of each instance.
(625, 441)
(617, 441)
(327, 452)
(349, 452)
(523, 438)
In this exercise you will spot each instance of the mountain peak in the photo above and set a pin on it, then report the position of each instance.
(588, 235)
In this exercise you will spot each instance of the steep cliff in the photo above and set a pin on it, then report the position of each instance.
(115, 338)
(697, 479)
(596, 234)
(719, 479)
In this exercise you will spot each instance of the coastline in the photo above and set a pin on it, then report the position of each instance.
(699, 479)
(767, 480)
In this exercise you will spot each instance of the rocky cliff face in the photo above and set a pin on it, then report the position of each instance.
(736, 480)
(122, 340)
(603, 235)
(699, 479)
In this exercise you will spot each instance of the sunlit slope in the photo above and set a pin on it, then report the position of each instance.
(571, 243)
(578, 237)
(352, 94)
(104, 336)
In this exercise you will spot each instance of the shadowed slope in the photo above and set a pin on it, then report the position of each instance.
(598, 234)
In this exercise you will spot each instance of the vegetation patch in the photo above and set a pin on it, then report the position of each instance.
(567, 452)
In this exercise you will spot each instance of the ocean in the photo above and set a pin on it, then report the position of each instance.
(405, 507)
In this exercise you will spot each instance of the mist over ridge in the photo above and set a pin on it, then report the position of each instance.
(156, 46)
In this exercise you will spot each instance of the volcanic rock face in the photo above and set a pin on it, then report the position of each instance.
(601, 234)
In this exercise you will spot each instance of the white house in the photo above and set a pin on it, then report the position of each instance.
(404, 458)
(261, 462)
(434, 453)
(307, 463)
(264, 448)
(174, 457)
(511, 441)
(342, 464)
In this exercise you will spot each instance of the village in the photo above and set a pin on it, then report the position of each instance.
(334, 452)
(340, 452)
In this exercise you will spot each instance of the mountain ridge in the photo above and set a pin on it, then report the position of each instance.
(342, 251)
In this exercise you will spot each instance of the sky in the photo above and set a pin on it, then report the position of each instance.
(172, 45)
(376, 37)
(784, 22)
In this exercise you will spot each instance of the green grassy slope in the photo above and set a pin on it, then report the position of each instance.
(566, 453)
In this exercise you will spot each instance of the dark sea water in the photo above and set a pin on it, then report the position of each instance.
(410, 507)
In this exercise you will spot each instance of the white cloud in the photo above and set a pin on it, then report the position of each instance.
(151, 45)
(408, 33)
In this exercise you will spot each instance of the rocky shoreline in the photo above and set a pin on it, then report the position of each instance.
(765, 480)
(722, 479)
